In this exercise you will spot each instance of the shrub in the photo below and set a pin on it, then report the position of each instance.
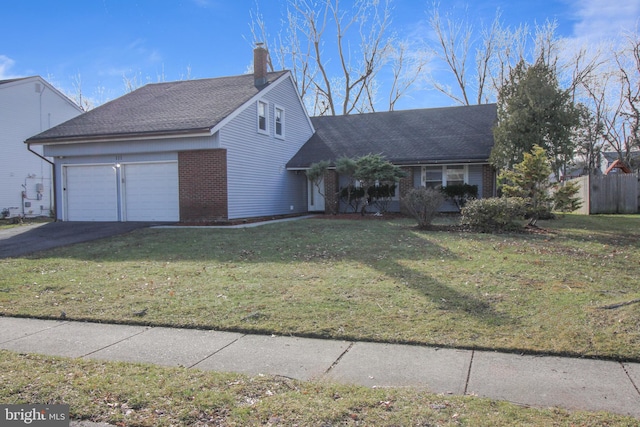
(530, 179)
(494, 214)
(423, 204)
(351, 197)
(381, 196)
(565, 198)
(460, 194)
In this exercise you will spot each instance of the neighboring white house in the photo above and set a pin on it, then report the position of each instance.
(28, 106)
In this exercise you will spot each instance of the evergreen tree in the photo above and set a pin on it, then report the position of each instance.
(534, 110)
(529, 179)
(372, 170)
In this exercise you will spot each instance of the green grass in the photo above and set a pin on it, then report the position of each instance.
(350, 279)
(145, 395)
(357, 280)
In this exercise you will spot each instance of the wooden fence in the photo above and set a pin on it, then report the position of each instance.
(608, 194)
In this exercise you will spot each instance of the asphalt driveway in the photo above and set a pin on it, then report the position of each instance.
(26, 239)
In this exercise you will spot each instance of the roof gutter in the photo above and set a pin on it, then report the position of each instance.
(413, 163)
(120, 137)
(53, 182)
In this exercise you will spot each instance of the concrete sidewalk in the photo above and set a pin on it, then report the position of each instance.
(575, 384)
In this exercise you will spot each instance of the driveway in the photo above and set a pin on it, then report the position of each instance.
(26, 239)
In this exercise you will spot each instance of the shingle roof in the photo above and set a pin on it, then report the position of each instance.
(159, 109)
(436, 135)
(612, 156)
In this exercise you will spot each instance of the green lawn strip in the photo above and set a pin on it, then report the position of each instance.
(374, 280)
(146, 395)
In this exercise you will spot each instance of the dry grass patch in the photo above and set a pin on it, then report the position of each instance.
(144, 395)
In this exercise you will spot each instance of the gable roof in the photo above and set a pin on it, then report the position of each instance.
(21, 81)
(160, 109)
(12, 80)
(612, 156)
(435, 135)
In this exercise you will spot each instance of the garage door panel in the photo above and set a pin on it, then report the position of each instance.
(151, 192)
(91, 193)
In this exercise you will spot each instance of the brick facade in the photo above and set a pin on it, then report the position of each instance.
(488, 181)
(331, 188)
(405, 185)
(203, 185)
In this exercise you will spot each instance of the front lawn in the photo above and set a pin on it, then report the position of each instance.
(562, 291)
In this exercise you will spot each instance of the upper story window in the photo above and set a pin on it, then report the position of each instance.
(263, 110)
(279, 121)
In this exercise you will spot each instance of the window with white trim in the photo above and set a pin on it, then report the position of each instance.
(456, 174)
(263, 112)
(279, 122)
(441, 176)
(432, 176)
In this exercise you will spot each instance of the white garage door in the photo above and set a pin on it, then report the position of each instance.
(151, 192)
(147, 192)
(91, 193)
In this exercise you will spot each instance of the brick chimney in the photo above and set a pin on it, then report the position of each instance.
(260, 59)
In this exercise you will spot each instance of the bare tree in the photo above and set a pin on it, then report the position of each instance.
(588, 137)
(78, 96)
(495, 52)
(132, 82)
(336, 53)
(614, 93)
(407, 67)
(454, 39)
(510, 49)
(628, 61)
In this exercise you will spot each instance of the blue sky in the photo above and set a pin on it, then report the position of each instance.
(102, 40)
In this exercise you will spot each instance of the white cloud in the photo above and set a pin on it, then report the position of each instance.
(6, 64)
(599, 20)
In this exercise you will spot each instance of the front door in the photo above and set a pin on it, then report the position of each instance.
(316, 195)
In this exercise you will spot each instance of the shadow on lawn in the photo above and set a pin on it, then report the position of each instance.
(448, 298)
(380, 246)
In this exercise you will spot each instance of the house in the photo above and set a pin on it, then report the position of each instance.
(614, 164)
(28, 106)
(435, 147)
(189, 151)
(233, 148)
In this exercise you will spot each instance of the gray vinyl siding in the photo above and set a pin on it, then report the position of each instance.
(129, 147)
(258, 183)
(475, 177)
